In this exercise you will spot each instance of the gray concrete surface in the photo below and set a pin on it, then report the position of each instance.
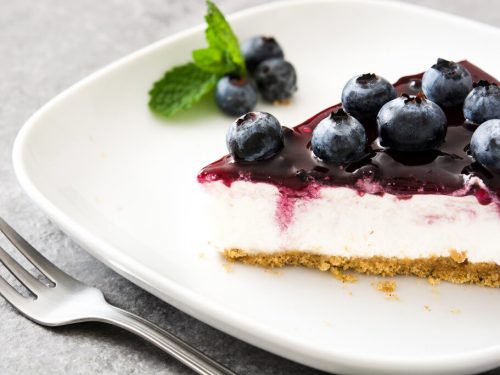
(45, 46)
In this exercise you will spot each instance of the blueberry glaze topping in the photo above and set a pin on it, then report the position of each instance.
(339, 139)
(447, 83)
(482, 103)
(412, 124)
(383, 170)
(485, 144)
(364, 95)
(254, 136)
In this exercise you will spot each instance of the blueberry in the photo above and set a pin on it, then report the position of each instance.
(339, 139)
(364, 95)
(411, 123)
(254, 136)
(482, 103)
(485, 144)
(235, 96)
(260, 48)
(446, 83)
(276, 79)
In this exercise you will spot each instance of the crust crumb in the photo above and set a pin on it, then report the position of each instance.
(344, 277)
(387, 286)
(433, 281)
(427, 308)
(456, 311)
(234, 254)
(324, 266)
(282, 102)
(458, 256)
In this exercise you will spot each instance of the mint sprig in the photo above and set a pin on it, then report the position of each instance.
(180, 88)
(184, 85)
(222, 41)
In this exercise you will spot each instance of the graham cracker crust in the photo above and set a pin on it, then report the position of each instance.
(454, 268)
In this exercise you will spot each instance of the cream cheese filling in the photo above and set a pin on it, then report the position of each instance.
(339, 221)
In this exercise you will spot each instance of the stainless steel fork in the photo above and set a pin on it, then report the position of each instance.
(67, 301)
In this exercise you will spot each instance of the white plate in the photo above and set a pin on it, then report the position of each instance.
(122, 183)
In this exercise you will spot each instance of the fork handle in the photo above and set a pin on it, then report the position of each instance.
(171, 344)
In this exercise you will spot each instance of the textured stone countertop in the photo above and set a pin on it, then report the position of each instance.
(46, 46)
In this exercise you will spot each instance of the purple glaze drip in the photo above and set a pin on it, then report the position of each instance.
(285, 209)
(295, 169)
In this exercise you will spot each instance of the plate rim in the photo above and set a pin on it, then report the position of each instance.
(204, 309)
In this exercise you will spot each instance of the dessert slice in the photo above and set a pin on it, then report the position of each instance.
(397, 194)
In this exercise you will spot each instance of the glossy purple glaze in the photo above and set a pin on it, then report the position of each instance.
(441, 171)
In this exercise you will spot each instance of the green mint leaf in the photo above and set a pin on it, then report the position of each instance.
(184, 85)
(220, 37)
(180, 88)
(214, 61)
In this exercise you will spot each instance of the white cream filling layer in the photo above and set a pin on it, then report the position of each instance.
(341, 222)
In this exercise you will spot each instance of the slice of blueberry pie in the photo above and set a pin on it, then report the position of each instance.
(399, 179)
